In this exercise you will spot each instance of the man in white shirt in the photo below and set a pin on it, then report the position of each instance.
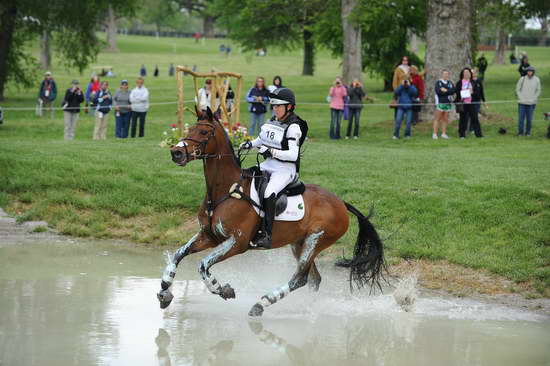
(139, 100)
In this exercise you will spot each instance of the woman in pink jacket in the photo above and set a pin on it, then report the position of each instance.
(337, 94)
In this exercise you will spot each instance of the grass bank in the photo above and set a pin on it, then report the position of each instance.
(484, 204)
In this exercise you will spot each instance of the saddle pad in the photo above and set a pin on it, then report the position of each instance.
(294, 211)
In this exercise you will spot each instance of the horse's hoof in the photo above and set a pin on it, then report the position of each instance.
(227, 292)
(257, 310)
(165, 297)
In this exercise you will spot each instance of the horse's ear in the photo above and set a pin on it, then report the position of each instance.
(209, 114)
(198, 112)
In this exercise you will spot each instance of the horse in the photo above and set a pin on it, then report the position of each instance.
(228, 223)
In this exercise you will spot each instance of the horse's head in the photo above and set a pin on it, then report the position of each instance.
(200, 142)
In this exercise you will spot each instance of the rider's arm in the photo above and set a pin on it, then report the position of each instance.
(256, 142)
(293, 134)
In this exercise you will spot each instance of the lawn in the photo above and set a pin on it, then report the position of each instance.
(478, 203)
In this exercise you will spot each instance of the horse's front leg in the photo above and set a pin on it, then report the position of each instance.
(197, 243)
(227, 249)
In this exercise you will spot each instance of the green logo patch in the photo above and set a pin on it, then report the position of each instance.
(300, 206)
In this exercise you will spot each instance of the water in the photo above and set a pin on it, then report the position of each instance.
(84, 303)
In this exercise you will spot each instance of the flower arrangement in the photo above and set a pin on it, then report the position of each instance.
(173, 135)
(238, 133)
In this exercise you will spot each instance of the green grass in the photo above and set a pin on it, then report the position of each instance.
(478, 203)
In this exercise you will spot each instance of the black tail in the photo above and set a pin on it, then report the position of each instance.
(367, 264)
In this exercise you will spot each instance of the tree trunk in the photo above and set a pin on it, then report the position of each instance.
(45, 51)
(500, 48)
(208, 26)
(414, 42)
(309, 53)
(111, 31)
(352, 63)
(544, 25)
(8, 15)
(448, 47)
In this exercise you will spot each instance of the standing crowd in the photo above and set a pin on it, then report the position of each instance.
(130, 106)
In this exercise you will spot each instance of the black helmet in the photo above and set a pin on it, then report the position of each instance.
(282, 96)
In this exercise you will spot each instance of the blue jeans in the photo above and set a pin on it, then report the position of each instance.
(335, 117)
(122, 125)
(256, 120)
(402, 112)
(525, 112)
(353, 120)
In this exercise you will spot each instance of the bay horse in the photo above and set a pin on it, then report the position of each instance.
(229, 224)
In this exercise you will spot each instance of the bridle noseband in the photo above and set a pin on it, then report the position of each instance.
(197, 152)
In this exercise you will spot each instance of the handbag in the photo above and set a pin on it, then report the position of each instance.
(393, 103)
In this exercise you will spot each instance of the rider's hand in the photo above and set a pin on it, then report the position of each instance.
(247, 145)
(265, 152)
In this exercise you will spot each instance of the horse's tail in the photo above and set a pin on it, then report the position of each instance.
(367, 264)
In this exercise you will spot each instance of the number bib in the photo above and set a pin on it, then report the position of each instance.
(272, 135)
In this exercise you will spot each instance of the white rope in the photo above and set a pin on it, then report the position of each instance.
(302, 103)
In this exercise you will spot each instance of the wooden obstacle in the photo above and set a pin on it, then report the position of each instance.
(218, 94)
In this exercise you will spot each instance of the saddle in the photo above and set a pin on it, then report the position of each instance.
(261, 180)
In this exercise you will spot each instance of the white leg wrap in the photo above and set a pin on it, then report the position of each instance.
(210, 281)
(170, 269)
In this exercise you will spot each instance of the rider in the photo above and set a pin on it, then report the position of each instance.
(279, 143)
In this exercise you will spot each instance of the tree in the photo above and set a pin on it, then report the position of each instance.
(111, 30)
(448, 41)
(352, 63)
(74, 27)
(381, 47)
(287, 24)
(161, 13)
(540, 10)
(45, 51)
(202, 8)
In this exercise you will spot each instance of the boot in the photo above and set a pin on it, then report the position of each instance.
(267, 222)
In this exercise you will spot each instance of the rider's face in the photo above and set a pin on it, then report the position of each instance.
(280, 110)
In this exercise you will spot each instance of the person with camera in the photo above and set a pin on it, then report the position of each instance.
(257, 96)
(356, 96)
(71, 108)
(337, 93)
(405, 95)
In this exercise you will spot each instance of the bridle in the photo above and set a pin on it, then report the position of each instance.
(200, 146)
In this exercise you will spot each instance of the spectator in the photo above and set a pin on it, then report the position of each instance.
(277, 83)
(356, 96)
(47, 94)
(337, 93)
(71, 109)
(156, 72)
(257, 96)
(93, 87)
(528, 90)
(478, 96)
(229, 98)
(227, 51)
(405, 96)
(444, 89)
(523, 66)
(139, 99)
(197, 37)
(123, 110)
(401, 73)
(205, 99)
(464, 91)
(103, 100)
(222, 48)
(171, 70)
(482, 64)
(142, 71)
(418, 82)
(513, 59)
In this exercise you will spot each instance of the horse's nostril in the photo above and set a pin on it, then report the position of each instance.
(177, 155)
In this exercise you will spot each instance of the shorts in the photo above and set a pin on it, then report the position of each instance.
(444, 107)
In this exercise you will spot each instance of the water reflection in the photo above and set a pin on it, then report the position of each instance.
(77, 306)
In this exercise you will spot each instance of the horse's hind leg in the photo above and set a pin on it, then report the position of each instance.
(314, 277)
(299, 279)
(196, 244)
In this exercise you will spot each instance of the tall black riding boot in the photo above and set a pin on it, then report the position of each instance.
(267, 222)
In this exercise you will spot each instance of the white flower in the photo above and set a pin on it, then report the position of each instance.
(165, 133)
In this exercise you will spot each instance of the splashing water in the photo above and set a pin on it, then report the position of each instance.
(405, 293)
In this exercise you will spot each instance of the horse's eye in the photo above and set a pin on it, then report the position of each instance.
(203, 132)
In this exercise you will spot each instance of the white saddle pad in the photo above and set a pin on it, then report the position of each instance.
(295, 208)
